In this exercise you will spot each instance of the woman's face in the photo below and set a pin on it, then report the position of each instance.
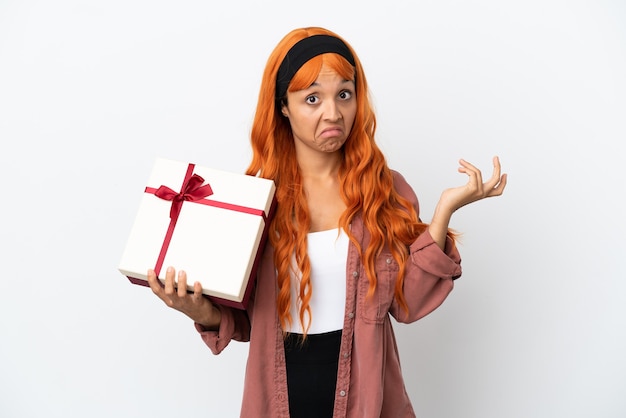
(322, 115)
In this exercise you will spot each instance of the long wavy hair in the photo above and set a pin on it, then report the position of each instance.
(366, 181)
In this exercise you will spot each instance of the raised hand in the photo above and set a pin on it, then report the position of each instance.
(195, 305)
(455, 198)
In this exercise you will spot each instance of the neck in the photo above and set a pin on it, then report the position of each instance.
(320, 165)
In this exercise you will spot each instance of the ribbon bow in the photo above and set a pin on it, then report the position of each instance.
(192, 190)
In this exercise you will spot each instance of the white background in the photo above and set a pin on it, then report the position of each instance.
(92, 92)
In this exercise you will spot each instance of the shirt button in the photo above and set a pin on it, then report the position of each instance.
(351, 315)
(355, 273)
(342, 393)
(345, 355)
(389, 261)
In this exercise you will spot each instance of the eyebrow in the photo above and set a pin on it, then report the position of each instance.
(316, 84)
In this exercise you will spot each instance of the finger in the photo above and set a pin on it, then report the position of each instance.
(197, 292)
(169, 281)
(468, 166)
(496, 177)
(499, 189)
(182, 283)
(154, 283)
(475, 176)
(497, 168)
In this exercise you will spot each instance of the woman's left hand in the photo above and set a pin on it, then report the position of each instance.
(457, 197)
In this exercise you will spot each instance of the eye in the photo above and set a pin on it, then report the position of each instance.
(311, 99)
(345, 95)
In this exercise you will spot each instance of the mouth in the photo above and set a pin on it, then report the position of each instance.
(331, 132)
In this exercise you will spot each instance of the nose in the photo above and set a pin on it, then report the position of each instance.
(331, 110)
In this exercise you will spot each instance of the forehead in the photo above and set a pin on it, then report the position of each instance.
(328, 76)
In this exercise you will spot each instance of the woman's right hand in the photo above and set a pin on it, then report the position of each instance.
(195, 305)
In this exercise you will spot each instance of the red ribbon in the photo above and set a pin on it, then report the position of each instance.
(192, 190)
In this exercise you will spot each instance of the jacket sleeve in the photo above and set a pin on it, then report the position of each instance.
(429, 274)
(235, 325)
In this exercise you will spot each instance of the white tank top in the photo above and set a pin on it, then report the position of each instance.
(328, 254)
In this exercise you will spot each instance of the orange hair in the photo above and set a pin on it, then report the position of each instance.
(366, 180)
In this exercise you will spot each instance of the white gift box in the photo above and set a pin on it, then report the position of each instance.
(215, 233)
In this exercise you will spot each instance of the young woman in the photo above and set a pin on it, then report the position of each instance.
(346, 251)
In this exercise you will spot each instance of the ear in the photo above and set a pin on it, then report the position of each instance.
(283, 108)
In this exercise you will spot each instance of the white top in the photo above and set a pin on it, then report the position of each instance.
(328, 254)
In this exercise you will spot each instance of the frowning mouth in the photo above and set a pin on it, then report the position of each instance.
(331, 132)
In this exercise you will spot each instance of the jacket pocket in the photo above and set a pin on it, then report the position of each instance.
(373, 310)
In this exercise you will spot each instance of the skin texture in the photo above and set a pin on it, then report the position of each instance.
(175, 295)
(321, 118)
(455, 198)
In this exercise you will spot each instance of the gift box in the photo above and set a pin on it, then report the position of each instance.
(210, 223)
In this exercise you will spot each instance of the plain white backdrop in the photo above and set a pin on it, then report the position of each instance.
(92, 92)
